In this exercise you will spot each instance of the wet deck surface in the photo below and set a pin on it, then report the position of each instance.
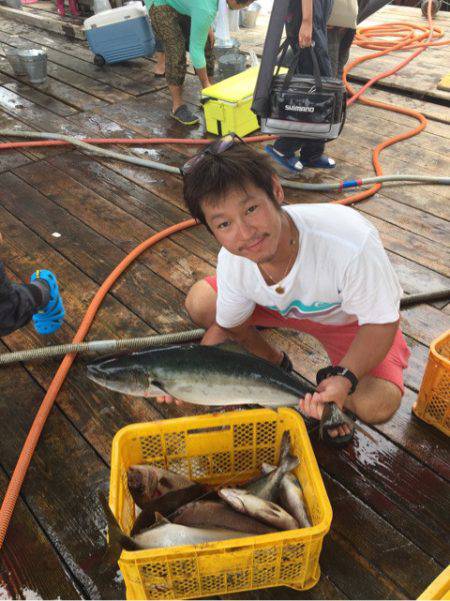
(389, 490)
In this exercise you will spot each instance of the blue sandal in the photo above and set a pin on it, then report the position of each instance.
(323, 162)
(50, 318)
(292, 163)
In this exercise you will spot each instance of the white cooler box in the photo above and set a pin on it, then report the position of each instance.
(120, 34)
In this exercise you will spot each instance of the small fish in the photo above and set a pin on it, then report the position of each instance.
(145, 482)
(162, 534)
(267, 487)
(290, 496)
(217, 514)
(266, 511)
(333, 417)
(167, 504)
(142, 482)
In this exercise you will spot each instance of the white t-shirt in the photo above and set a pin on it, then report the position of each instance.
(341, 274)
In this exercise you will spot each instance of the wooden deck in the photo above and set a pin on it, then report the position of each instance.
(389, 490)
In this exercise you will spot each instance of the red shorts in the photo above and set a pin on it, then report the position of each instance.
(336, 340)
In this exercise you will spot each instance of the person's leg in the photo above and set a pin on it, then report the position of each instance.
(334, 43)
(159, 69)
(210, 59)
(283, 151)
(201, 304)
(312, 155)
(166, 24)
(378, 394)
(344, 49)
(375, 400)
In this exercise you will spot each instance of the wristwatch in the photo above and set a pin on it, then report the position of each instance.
(337, 370)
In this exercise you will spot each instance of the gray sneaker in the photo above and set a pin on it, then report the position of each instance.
(185, 116)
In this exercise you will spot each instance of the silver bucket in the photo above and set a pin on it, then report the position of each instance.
(248, 16)
(12, 54)
(230, 64)
(34, 61)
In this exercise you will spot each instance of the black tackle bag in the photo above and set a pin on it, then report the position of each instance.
(304, 106)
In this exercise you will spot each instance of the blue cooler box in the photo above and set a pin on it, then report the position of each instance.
(120, 34)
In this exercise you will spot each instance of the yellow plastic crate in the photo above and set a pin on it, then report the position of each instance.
(433, 402)
(439, 588)
(225, 448)
(227, 104)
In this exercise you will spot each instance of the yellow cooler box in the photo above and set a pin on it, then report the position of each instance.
(227, 104)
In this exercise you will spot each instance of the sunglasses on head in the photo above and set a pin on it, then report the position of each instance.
(217, 147)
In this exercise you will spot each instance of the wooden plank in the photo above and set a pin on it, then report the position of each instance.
(31, 114)
(29, 565)
(138, 69)
(97, 412)
(86, 84)
(140, 203)
(156, 301)
(435, 112)
(413, 247)
(68, 509)
(54, 89)
(391, 556)
(427, 444)
(397, 487)
(40, 99)
(70, 30)
(169, 260)
(422, 223)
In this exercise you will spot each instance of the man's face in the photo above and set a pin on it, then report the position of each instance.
(246, 222)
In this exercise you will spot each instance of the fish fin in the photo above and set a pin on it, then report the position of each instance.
(160, 519)
(287, 461)
(117, 539)
(158, 384)
(233, 347)
(267, 468)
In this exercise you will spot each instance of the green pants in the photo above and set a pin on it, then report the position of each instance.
(173, 29)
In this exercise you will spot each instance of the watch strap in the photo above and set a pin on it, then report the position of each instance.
(337, 370)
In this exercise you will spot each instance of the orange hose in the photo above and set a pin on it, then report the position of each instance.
(141, 141)
(364, 38)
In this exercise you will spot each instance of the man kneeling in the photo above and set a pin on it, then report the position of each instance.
(316, 268)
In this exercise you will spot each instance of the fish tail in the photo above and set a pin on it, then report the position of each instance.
(287, 461)
(117, 539)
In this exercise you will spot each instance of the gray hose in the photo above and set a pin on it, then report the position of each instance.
(101, 346)
(110, 346)
(103, 152)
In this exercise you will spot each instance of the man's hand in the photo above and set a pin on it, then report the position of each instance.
(331, 390)
(305, 34)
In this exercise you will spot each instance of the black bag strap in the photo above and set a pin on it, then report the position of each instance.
(293, 67)
(282, 51)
